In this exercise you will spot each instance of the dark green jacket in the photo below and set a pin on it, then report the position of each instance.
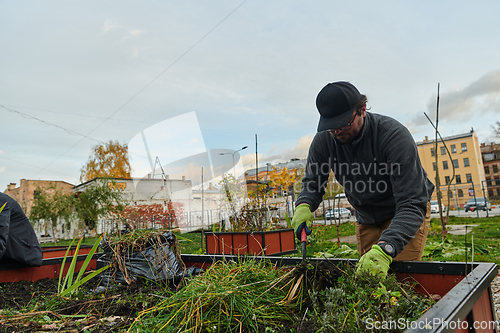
(381, 175)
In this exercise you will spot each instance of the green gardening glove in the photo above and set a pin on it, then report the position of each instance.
(302, 218)
(375, 261)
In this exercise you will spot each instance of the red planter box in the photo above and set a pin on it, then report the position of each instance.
(274, 242)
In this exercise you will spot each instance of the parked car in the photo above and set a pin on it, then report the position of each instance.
(482, 203)
(334, 213)
(435, 207)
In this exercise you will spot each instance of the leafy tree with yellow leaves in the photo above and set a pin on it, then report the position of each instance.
(110, 159)
(284, 179)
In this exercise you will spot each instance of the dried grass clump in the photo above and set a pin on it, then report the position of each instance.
(228, 297)
(123, 246)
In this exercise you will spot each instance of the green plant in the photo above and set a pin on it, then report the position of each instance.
(68, 286)
(229, 296)
(351, 304)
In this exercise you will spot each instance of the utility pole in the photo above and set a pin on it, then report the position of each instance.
(256, 167)
(202, 213)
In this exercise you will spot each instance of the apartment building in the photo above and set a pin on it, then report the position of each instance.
(491, 161)
(467, 161)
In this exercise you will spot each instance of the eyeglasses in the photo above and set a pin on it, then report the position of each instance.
(346, 127)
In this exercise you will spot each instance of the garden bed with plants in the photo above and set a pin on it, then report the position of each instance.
(248, 295)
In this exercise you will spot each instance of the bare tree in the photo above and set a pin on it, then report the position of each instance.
(444, 220)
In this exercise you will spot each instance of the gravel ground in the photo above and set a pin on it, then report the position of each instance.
(495, 289)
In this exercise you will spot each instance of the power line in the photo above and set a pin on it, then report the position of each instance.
(77, 115)
(47, 123)
(154, 79)
(34, 166)
(172, 64)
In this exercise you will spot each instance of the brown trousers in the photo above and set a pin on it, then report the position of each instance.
(367, 235)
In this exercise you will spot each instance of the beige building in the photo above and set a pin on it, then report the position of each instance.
(27, 190)
(465, 158)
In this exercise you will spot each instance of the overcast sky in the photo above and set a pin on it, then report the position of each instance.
(211, 75)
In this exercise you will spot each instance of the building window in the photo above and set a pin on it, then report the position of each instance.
(469, 178)
(445, 165)
(487, 170)
(460, 193)
(497, 180)
(450, 194)
(433, 166)
(488, 182)
(443, 151)
(453, 149)
(466, 162)
(464, 147)
(495, 168)
(490, 193)
(458, 180)
(446, 180)
(498, 192)
(432, 151)
(455, 164)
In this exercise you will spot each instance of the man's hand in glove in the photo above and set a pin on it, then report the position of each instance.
(302, 218)
(375, 262)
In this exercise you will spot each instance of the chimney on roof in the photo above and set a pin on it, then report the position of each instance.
(183, 178)
(426, 138)
(11, 186)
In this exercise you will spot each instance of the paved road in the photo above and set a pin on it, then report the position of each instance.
(494, 212)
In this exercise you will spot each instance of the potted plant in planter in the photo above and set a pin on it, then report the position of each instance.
(251, 226)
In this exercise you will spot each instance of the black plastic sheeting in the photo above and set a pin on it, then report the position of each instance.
(156, 262)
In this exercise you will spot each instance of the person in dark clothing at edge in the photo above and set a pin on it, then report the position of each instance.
(18, 242)
(375, 159)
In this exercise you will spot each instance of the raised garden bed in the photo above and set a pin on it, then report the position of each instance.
(465, 289)
(273, 242)
(465, 292)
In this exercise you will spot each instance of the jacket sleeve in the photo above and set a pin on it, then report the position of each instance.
(316, 174)
(411, 189)
(4, 228)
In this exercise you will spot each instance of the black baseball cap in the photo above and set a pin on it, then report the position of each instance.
(335, 103)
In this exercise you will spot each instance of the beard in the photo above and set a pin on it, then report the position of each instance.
(345, 137)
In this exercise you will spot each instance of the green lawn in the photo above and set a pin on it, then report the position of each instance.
(486, 237)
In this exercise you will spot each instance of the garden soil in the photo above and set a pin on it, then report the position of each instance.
(110, 312)
(114, 311)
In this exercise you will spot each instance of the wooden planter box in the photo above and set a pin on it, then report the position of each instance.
(274, 242)
(467, 298)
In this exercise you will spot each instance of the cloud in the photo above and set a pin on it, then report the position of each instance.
(481, 94)
(278, 154)
(479, 97)
(112, 25)
(135, 32)
(137, 51)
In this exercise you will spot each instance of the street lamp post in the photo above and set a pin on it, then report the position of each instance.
(267, 175)
(232, 154)
(484, 196)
